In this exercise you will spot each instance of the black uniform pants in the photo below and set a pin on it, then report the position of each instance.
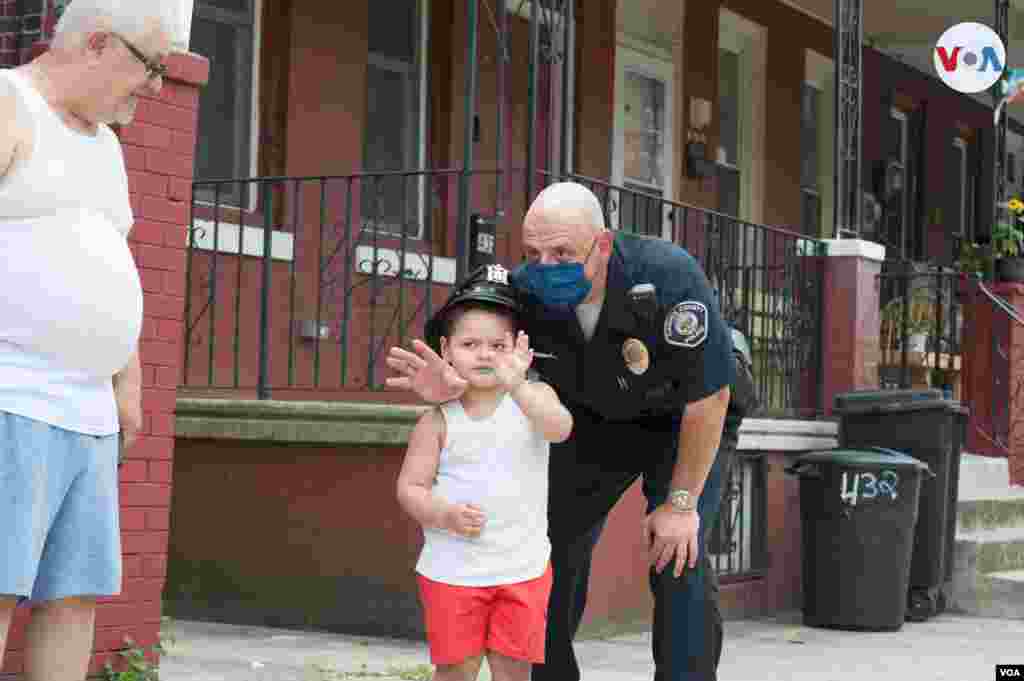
(588, 475)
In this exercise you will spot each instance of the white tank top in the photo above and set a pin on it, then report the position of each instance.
(500, 464)
(71, 312)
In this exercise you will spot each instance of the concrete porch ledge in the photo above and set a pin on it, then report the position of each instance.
(303, 422)
(361, 423)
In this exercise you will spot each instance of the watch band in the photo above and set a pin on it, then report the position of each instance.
(682, 500)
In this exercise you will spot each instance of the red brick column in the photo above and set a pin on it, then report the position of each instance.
(850, 317)
(159, 150)
(984, 325)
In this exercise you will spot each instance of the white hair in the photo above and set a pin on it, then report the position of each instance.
(130, 18)
(570, 199)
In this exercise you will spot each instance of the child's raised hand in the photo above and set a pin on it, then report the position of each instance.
(465, 520)
(510, 366)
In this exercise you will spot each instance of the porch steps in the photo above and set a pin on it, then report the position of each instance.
(988, 565)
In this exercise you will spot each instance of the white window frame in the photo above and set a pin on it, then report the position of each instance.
(960, 144)
(819, 73)
(635, 56)
(748, 39)
(902, 117)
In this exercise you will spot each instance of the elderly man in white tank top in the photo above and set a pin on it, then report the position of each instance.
(70, 318)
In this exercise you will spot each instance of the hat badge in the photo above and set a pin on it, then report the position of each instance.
(496, 274)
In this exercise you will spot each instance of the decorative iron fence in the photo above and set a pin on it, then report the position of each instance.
(921, 327)
(300, 284)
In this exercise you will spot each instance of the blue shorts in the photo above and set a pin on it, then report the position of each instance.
(59, 520)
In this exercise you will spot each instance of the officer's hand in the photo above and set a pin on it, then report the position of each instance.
(510, 366)
(672, 534)
(465, 520)
(425, 373)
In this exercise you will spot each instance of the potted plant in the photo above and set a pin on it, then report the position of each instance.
(1007, 237)
(916, 316)
(975, 260)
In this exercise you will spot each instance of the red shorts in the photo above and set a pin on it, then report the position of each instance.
(465, 621)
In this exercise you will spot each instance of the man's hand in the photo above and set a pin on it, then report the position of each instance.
(510, 366)
(672, 534)
(425, 373)
(465, 520)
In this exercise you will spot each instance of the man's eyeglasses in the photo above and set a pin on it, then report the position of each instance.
(154, 69)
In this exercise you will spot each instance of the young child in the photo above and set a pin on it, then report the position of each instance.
(475, 477)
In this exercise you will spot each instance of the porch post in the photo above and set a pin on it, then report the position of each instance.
(462, 244)
(848, 48)
(850, 317)
(999, 174)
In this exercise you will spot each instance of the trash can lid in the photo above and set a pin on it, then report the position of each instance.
(890, 401)
(872, 457)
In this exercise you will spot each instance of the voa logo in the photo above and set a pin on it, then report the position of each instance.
(969, 57)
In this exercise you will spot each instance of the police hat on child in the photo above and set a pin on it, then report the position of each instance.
(487, 284)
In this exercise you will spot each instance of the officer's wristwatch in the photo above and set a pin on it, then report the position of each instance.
(682, 501)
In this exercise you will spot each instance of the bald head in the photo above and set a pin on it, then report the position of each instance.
(565, 225)
(568, 203)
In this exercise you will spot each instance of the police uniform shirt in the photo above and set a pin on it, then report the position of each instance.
(649, 356)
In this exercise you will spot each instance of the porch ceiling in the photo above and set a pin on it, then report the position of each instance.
(903, 22)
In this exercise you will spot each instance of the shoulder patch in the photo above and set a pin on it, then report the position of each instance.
(686, 325)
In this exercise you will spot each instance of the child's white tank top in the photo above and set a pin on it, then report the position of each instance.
(500, 464)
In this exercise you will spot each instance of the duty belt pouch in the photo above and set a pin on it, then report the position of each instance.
(743, 393)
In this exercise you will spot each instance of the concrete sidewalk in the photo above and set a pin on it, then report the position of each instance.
(947, 648)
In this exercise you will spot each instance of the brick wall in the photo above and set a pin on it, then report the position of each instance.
(158, 150)
(23, 23)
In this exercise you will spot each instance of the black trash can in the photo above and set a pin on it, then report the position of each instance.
(858, 510)
(931, 429)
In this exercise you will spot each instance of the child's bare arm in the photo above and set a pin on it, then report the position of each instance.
(541, 405)
(416, 478)
(416, 482)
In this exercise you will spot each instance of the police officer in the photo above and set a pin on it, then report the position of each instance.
(743, 400)
(628, 332)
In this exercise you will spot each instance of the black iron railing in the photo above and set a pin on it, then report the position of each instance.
(921, 326)
(737, 546)
(769, 283)
(313, 278)
(304, 282)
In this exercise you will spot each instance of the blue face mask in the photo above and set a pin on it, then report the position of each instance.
(561, 286)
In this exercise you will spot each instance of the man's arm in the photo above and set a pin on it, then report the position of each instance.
(128, 393)
(700, 434)
(12, 132)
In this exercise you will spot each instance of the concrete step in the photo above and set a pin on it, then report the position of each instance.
(988, 514)
(996, 594)
(985, 478)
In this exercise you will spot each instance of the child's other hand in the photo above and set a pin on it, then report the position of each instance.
(465, 520)
(510, 366)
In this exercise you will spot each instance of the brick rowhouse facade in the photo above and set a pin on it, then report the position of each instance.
(159, 152)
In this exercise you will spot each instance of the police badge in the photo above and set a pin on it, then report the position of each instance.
(636, 356)
(687, 324)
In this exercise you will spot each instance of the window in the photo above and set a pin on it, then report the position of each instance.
(810, 193)
(895, 190)
(394, 125)
(643, 153)
(728, 159)
(224, 31)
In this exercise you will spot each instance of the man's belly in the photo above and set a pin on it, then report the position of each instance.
(71, 291)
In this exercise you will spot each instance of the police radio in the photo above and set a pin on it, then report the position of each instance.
(644, 301)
